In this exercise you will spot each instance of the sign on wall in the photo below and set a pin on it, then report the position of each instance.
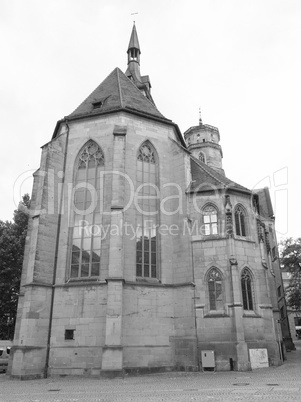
(258, 358)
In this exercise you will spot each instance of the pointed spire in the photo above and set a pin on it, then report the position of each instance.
(134, 42)
(134, 48)
(133, 70)
(200, 117)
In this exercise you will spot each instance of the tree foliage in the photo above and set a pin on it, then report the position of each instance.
(291, 262)
(12, 243)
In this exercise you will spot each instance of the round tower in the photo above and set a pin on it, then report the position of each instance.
(203, 142)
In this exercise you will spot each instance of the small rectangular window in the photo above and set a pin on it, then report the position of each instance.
(69, 334)
(297, 321)
(97, 105)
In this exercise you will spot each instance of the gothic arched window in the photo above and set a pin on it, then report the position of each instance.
(88, 206)
(202, 157)
(215, 289)
(209, 220)
(240, 221)
(247, 289)
(147, 212)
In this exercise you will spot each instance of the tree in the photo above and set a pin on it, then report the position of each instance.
(12, 244)
(291, 262)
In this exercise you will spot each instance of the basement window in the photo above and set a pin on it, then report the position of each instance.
(69, 334)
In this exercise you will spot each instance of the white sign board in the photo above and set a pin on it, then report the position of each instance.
(258, 358)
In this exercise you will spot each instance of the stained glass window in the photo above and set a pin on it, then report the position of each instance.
(88, 206)
(147, 213)
(240, 221)
(215, 290)
(247, 289)
(209, 220)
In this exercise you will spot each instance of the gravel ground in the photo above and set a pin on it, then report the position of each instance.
(281, 383)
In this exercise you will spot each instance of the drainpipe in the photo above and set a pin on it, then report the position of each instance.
(55, 256)
(195, 298)
(193, 277)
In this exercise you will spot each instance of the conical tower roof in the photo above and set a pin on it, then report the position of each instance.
(134, 43)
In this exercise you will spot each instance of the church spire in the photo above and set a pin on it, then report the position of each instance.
(133, 70)
(134, 48)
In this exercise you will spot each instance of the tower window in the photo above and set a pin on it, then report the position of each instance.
(240, 221)
(202, 157)
(134, 54)
(88, 206)
(209, 220)
(247, 289)
(147, 213)
(215, 289)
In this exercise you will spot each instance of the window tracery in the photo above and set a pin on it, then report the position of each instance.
(215, 289)
(240, 221)
(88, 206)
(146, 154)
(247, 289)
(210, 220)
(147, 213)
(91, 152)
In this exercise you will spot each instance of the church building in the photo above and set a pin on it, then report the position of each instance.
(141, 254)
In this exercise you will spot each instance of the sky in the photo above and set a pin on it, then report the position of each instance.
(237, 60)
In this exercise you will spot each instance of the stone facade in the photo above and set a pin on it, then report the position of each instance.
(121, 320)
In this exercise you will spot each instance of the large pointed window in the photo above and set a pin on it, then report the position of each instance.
(209, 220)
(240, 221)
(215, 289)
(88, 206)
(147, 213)
(247, 289)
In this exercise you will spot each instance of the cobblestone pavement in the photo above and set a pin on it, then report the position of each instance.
(281, 383)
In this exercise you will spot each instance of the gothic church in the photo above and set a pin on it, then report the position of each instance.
(141, 253)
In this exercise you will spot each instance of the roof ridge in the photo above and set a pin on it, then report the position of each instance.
(119, 87)
(205, 170)
(87, 97)
(215, 175)
(150, 102)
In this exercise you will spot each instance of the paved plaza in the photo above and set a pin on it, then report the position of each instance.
(281, 383)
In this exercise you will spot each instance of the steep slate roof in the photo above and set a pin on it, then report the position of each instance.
(205, 178)
(265, 204)
(117, 92)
